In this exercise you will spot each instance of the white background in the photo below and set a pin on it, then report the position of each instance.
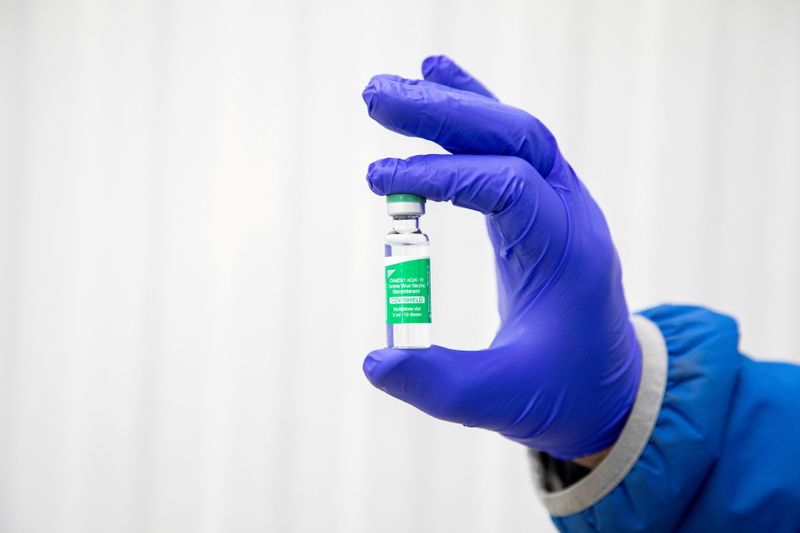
(190, 259)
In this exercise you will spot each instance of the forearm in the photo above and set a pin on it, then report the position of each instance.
(719, 455)
(609, 467)
(591, 461)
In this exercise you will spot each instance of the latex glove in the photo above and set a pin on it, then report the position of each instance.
(563, 371)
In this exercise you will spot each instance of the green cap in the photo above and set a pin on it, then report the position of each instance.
(404, 197)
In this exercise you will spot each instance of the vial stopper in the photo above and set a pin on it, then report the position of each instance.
(405, 204)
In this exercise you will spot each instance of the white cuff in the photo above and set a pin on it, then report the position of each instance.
(633, 439)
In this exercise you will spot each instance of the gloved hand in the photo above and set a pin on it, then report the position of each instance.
(563, 371)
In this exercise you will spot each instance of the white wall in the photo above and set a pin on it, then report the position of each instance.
(190, 260)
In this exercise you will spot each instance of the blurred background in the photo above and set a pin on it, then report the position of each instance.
(191, 261)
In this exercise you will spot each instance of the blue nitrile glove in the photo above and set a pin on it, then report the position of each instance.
(563, 371)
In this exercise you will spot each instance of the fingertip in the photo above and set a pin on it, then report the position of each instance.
(444, 71)
(382, 83)
(371, 180)
(372, 169)
(378, 364)
(379, 172)
(377, 84)
(369, 365)
(372, 186)
(434, 63)
(369, 93)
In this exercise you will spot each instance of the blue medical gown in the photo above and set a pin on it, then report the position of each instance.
(724, 452)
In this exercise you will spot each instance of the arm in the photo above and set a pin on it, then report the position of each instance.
(710, 444)
(591, 461)
(562, 372)
(678, 428)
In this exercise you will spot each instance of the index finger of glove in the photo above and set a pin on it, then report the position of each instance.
(525, 211)
(489, 184)
(462, 122)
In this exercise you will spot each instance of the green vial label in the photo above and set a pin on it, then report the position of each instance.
(408, 291)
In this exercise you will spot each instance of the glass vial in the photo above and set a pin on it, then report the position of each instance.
(407, 272)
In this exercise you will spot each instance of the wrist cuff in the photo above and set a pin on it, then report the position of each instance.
(631, 442)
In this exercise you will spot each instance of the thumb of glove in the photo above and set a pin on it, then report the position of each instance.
(435, 380)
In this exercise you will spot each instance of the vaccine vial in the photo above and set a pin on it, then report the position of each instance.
(407, 272)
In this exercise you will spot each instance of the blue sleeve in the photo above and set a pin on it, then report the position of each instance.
(722, 452)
